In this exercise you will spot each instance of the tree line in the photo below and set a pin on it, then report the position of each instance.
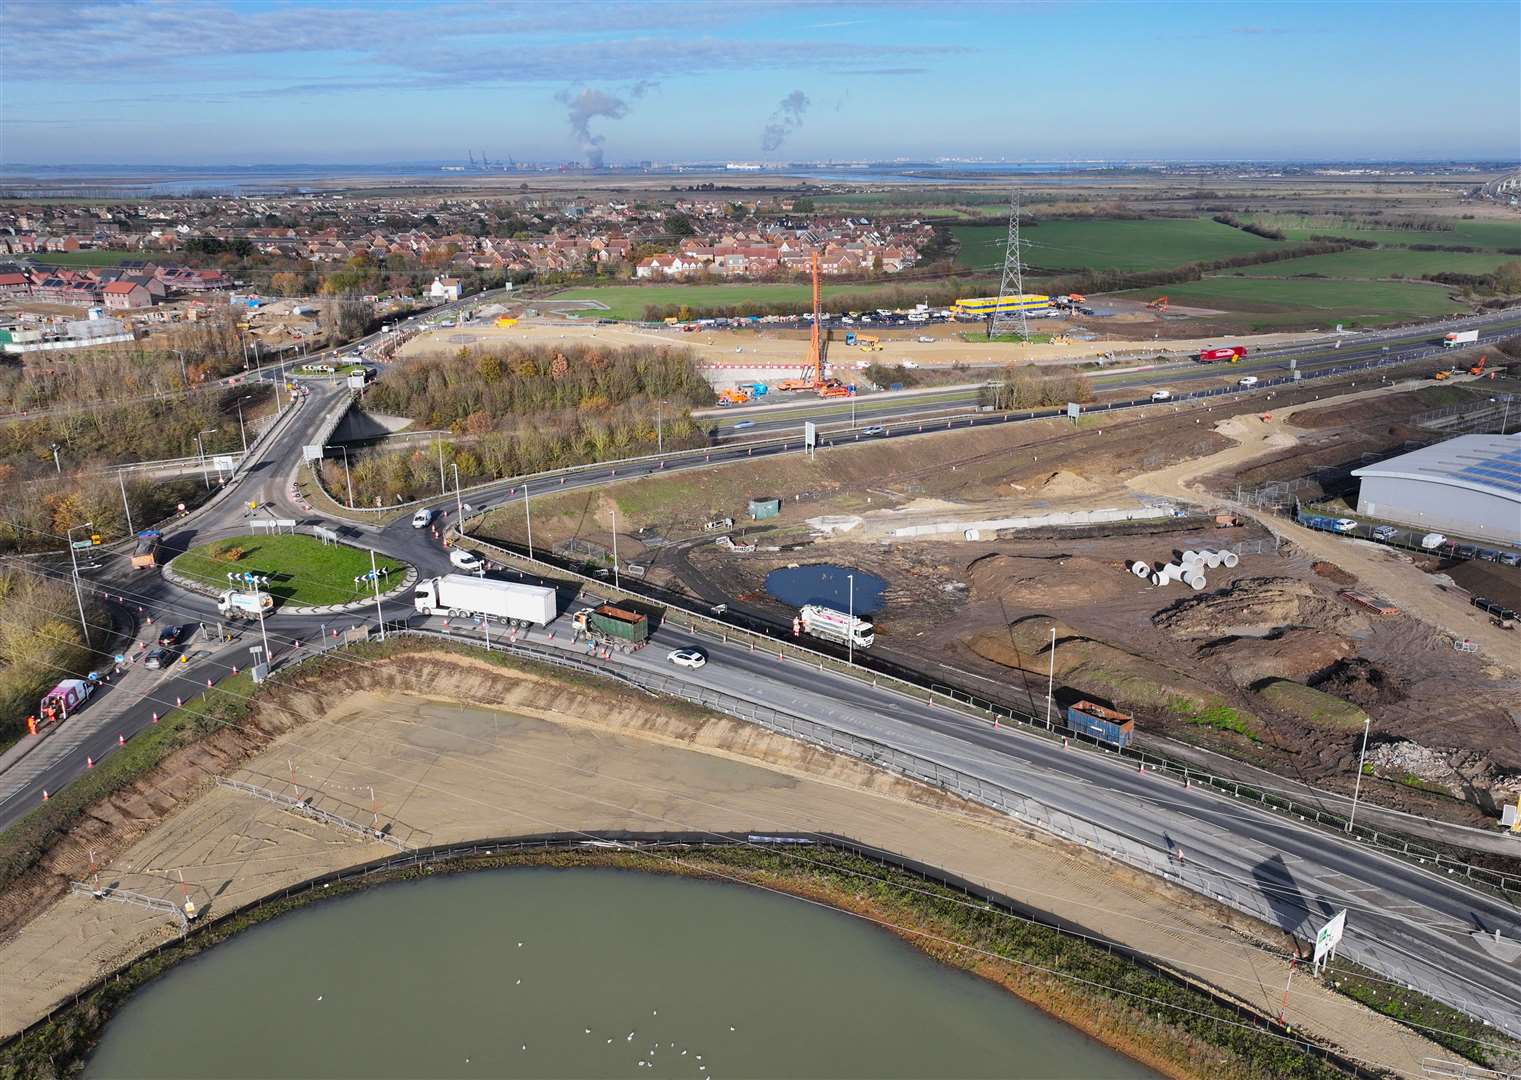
(40, 643)
(1029, 387)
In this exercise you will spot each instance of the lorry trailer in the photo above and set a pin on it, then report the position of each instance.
(1460, 337)
(1229, 353)
(836, 626)
(1097, 722)
(464, 594)
(145, 551)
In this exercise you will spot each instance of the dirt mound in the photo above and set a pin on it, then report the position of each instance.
(1256, 607)
(1025, 582)
(1363, 683)
(1333, 573)
(1063, 482)
(1311, 706)
(1297, 653)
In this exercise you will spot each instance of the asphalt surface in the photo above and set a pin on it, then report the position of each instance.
(1408, 923)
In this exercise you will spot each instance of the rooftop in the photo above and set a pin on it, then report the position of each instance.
(1487, 463)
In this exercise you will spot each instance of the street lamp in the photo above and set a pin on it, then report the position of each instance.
(850, 625)
(78, 596)
(1358, 786)
(528, 517)
(201, 446)
(184, 373)
(1051, 679)
(459, 500)
(348, 479)
(56, 463)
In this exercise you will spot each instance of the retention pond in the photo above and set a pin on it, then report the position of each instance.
(581, 973)
(828, 585)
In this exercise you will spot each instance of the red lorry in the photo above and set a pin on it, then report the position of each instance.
(1230, 354)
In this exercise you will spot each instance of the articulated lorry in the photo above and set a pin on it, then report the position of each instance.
(237, 604)
(609, 625)
(463, 594)
(836, 626)
(1461, 337)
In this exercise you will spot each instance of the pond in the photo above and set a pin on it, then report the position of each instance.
(828, 585)
(538, 972)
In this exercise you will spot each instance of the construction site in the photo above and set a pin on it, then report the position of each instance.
(1247, 636)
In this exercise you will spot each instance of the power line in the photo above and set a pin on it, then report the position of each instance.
(1012, 287)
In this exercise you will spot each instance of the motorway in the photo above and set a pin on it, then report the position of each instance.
(1407, 923)
(787, 412)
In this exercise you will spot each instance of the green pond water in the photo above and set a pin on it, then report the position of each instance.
(581, 973)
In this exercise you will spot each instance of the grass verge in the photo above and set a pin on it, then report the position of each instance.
(301, 570)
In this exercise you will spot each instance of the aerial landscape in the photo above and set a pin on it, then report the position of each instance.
(760, 539)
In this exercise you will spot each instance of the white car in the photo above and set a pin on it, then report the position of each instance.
(1250, 380)
(875, 429)
(1162, 395)
(465, 560)
(1344, 525)
(422, 519)
(690, 658)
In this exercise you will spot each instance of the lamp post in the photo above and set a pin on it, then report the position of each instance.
(616, 584)
(528, 517)
(56, 463)
(184, 373)
(84, 627)
(659, 425)
(121, 477)
(459, 501)
(348, 479)
(850, 625)
(201, 447)
(440, 441)
(375, 577)
(242, 431)
(1051, 679)
(1358, 786)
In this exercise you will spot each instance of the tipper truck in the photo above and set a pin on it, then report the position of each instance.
(836, 626)
(609, 625)
(145, 550)
(1460, 337)
(463, 594)
(237, 604)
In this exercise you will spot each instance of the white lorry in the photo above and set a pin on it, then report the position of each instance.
(836, 626)
(461, 594)
(1461, 337)
(237, 604)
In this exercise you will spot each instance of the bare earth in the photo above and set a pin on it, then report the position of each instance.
(552, 758)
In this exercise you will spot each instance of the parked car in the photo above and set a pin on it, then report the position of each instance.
(1250, 380)
(158, 658)
(170, 636)
(1385, 533)
(1344, 525)
(1465, 551)
(1488, 554)
(465, 560)
(687, 658)
(1432, 541)
(1511, 558)
(1161, 395)
(422, 519)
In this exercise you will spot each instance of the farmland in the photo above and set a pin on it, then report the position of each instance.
(90, 258)
(1105, 244)
(629, 301)
(1369, 265)
(1269, 304)
(1493, 235)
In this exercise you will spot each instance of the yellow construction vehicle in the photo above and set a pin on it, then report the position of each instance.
(733, 397)
(1442, 375)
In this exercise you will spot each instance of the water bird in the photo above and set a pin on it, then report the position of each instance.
(319, 997)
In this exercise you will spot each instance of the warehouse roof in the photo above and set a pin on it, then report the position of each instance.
(1485, 463)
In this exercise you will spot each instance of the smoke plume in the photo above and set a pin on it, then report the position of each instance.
(787, 118)
(585, 107)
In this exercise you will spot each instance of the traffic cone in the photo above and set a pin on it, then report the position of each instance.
(177, 701)
(1064, 742)
(208, 684)
(235, 669)
(1141, 768)
(121, 740)
(44, 794)
(89, 763)
(155, 718)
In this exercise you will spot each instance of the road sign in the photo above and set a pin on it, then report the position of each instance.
(222, 463)
(81, 545)
(1074, 410)
(1328, 937)
(311, 452)
(810, 435)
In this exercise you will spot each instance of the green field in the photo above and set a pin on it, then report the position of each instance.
(1109, 244)
(91, 258)
(1284, 304)
(1493, 235)
(1390, 262)
(301, 570)
(628, 301)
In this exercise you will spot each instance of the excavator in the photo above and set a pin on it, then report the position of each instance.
(1478, 369)
(1159, 305)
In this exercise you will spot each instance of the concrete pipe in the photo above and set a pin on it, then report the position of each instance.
(1212, 560)
(1140, 569)
(1189, 556)
(1173, 571)
(1158, 579)
(1196, 583)
(1230, 559)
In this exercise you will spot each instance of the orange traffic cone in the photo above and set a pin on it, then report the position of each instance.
(155, 718)
(44, 794)
(89, 763)
(178, 701)
(121, 740)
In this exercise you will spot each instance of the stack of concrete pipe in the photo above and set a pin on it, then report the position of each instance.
(1189, 569)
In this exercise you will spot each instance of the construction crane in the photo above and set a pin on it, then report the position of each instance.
(813, 375)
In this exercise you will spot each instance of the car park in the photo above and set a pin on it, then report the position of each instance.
(1344, 525)
(158, 658)
(1385, 533)
(687, 658)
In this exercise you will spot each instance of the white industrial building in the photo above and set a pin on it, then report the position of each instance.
(1469, 486)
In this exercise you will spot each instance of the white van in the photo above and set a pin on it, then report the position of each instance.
(465, 560)
(422, 519)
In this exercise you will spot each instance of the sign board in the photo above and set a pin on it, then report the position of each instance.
(1074, 410)
(1328, 937)
(810, 435)
(81, 545)
(356, 382)
(260, 672)
(311, 452)
(327, 536)
(222, 463)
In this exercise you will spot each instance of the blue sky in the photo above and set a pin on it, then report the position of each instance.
(224, 81)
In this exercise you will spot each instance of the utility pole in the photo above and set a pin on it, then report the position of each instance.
(56, 463)
(459, 501)
(1012, 287)
(375, 577)
(184, 374)
(659, 434)
(440, 441)
(201, 446)
(1358, 786)
(242, 431)
(348, 478)
(616, 584)
(121, 477)
(850, 626)
(84, 627)
(1051, 679)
